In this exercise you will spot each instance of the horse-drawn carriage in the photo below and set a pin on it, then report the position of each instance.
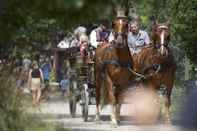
(82, 85)
(116, 68)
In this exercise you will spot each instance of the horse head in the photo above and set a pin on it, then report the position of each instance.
(161, 37)
(120, 27)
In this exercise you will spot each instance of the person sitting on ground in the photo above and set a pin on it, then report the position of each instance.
(137, 39)
(35, 79)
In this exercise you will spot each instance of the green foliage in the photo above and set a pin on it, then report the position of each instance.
(28, 27)
(12, 116)
(13, 107)
(52, 76)
(47, 127)
(36, 35)
(183, 17)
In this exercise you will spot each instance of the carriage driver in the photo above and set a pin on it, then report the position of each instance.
(137, 39)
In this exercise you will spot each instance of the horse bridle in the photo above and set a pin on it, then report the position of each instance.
(162, 42)
(119, 34)
(161, 45)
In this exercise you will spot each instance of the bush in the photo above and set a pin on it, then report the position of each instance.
(52, 76)
(12, 116)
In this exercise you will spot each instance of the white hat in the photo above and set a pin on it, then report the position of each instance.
(83, 37)
(79, 30)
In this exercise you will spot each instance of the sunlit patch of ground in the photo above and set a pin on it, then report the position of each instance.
(143, 105)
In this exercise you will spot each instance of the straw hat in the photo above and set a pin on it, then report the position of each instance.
(83, 38)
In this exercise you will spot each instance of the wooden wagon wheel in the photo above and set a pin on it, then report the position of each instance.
(72, 98)
(85, 101)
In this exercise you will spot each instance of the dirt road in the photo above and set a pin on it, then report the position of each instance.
(57, 110)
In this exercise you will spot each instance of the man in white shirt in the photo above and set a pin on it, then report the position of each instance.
(93, 39)
(137, 39)
(100, 34)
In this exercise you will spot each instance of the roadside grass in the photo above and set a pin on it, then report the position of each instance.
(46, 127)
(13, 105)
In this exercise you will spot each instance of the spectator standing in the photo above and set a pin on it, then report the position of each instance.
(35, 79)
(64, 85)
(46, 69)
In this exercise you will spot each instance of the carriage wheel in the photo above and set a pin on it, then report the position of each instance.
(72, 98)
(85, 102)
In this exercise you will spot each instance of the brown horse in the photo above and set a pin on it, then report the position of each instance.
(112, 70)
(158, 62)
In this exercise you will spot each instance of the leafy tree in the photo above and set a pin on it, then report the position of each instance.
(28, 26)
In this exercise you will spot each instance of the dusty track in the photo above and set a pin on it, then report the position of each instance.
(57, 110)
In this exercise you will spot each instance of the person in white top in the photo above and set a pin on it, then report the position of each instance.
(93, 39)
(100, 34)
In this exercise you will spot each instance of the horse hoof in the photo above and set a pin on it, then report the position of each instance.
(168, 122)
(97, 120)
(118, 121)
(114, 124)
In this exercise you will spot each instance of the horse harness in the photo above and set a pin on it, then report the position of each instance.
(118, 63)
(139, 75)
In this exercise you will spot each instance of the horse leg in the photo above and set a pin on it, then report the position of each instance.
(154, 86)
(169, 85)
(167, 106)
(118, 105)
(118, 108)
(112, 100)
(97, 117)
